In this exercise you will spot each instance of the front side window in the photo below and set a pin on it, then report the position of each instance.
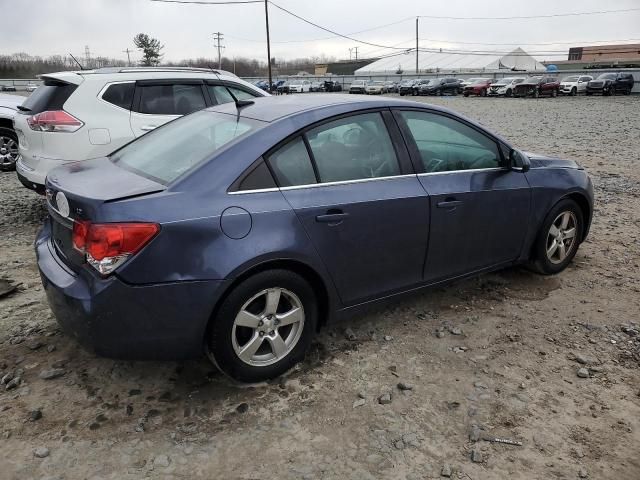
(177, 147)
(172, 99)
(353, 148)
(446, 144)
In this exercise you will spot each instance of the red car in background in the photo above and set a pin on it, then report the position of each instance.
(478, 88)
(536, 86)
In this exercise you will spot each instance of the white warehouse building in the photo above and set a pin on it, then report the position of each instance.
(443, 61)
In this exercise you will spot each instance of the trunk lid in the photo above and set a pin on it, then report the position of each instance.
(76, 191)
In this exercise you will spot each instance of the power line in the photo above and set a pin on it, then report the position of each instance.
(198, 2)
(527, 17)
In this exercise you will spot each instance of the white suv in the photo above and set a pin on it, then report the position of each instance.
(575, 84)
(90, 113)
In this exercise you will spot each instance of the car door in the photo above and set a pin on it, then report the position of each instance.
(582, 83)
(479, 206)
(352, 187)
(157, 102)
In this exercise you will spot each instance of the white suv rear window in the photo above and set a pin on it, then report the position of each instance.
(119, 94)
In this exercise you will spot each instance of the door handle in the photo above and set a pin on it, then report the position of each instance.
(332, 217)
(147, 128)
(449, 204)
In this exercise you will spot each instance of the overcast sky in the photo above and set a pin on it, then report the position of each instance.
(46, 27)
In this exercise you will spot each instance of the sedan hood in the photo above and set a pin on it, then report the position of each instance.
(100, 179)
(543, 161)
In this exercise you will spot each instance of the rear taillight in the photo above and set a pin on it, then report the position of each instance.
(54, 121)
(109, 245)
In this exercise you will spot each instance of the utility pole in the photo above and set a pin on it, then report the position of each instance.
(350, 53)
(355, 49)
(417, 48)
(219, 37)
(128, 52)
(87, 57)
(266, 18)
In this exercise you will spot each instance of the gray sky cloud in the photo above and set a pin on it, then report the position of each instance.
(46, 27)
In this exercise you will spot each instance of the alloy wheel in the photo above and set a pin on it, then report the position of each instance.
(561, 238)
(268, 327)
(8, 151)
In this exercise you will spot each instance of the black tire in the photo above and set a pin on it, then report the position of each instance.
(508, 93)
(554, 93)
(8, 144)
(466, 94)
(220, 343)
(536, 93)
(483, 93)
(540, 261)
(573, 92)
(588, 93)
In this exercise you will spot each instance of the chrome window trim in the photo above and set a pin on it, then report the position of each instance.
(104, 89)
(322, 184)
(492, 169)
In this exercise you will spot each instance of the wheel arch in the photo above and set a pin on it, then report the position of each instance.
(585, 207)
(6, 123)
(307, 272)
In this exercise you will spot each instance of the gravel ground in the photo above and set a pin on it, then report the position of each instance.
(551, 362)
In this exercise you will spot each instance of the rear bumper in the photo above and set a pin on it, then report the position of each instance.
(111, 318)
(27, 179)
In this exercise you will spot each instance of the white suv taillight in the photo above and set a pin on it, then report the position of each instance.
(109, 245)
(54, 121)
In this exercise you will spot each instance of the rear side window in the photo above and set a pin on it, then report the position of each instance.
(119, 94)
(291, 164)
(257, 179)
(50, 96)
(220, 94)
(173, 99)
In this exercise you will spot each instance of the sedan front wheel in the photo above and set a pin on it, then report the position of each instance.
(559, 238)
(264, 326)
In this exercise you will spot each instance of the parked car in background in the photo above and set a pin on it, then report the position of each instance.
(136, 265)
(358, 86)
(406, 87)
(7, 88)
(375, 88)
(332, 86)
(283, 87)
(611, 84)
(468, 81)
(504, 86)
(390, 87)
(574, 84)
(480, 87)
(440, 86)
(317, 86)
(8, 137)
(31, 87)
(536, 86)
(262, 85)
(90, 113)
(299, 86)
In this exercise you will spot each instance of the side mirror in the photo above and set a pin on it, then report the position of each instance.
(518, 162)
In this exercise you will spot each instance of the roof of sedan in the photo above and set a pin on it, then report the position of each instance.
(269, 109)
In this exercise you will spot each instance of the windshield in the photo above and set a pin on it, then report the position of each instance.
(478, 81)
(380, 84)
(607, 76)
(532, 79)
(570, 79)
(179, 146)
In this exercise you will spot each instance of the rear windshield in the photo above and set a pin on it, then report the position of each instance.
(172, 150)
(50, 96)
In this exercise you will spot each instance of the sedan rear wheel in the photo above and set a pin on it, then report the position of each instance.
(559, 238)
(8, 149)
(264, 326)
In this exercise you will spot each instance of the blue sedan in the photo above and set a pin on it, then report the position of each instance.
(240, 230)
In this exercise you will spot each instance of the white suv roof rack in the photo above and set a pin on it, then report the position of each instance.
(155, 69)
